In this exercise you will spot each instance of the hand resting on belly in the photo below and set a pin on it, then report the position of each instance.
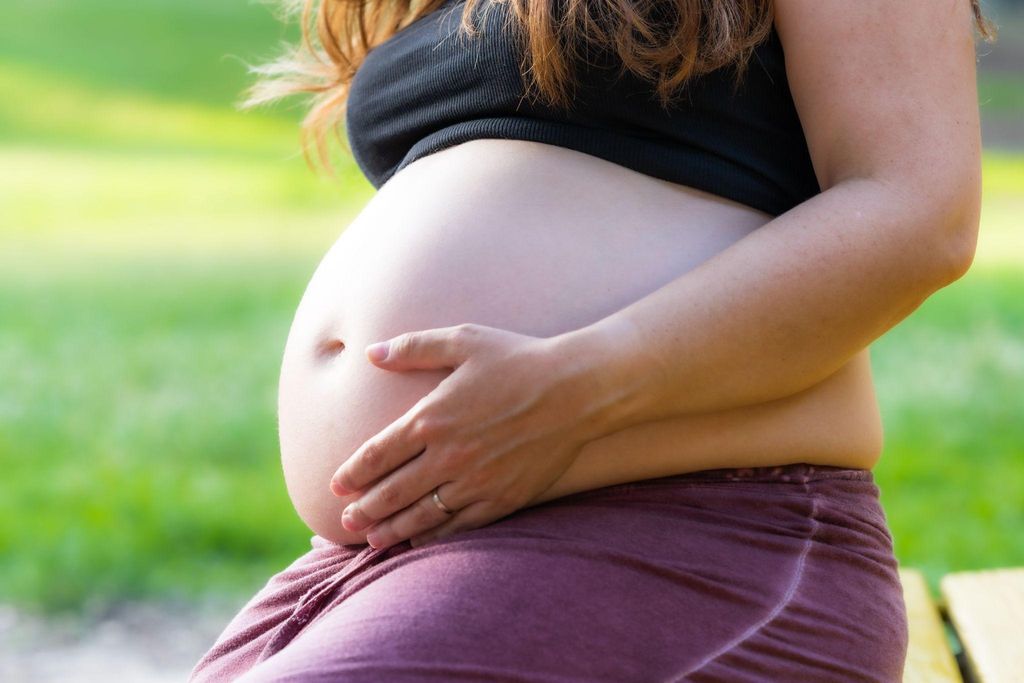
(548, 241)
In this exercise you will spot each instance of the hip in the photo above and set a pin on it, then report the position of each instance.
(782, 573)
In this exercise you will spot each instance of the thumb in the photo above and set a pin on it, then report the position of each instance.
(423, 350)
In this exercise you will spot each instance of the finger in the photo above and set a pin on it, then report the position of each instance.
(443, 347)
(421, 516)
(391, 494)
(377, 457)
(472, 516)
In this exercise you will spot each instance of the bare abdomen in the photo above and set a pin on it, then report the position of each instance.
(539, 240)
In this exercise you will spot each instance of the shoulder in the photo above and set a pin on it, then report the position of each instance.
(885, 89)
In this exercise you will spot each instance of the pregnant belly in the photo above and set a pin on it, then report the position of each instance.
(518, 235)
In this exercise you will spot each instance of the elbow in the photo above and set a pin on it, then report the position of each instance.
(958, 234)
(948, 217)
(934, 196)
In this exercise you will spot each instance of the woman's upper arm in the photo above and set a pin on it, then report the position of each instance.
(886, 91)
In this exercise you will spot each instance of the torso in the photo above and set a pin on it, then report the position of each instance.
(519, 235)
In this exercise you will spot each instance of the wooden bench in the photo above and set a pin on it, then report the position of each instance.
(974, 633)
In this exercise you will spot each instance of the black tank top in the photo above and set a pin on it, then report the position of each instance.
(428, 87)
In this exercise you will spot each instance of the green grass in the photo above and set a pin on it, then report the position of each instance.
(1001, 93)
(137, 430)
(155, 243)
(176, 50)
(949, 382)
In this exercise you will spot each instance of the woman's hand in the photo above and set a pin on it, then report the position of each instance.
(493, 435)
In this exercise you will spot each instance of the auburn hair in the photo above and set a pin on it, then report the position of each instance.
(698, 37)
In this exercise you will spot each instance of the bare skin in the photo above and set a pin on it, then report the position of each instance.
(778, 315)
(540, 240)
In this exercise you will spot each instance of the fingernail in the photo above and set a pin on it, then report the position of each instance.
(378, 351)
(373, 539)
(348, 519)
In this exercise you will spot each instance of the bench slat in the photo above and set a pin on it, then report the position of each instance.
(929, 659)
(987, 610)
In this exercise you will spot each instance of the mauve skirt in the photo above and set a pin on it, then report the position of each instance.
(765, 574)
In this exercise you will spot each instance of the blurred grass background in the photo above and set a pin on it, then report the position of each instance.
(154, 243)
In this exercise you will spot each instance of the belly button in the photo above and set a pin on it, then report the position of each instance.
(328, 348)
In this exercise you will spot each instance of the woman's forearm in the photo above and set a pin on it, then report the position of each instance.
(775, 312)
(837, 416)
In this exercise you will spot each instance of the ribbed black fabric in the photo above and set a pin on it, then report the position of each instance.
(428, 88)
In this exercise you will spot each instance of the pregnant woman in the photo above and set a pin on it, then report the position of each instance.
(626, 259)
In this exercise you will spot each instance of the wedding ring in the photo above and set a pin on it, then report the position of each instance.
(440, 503)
